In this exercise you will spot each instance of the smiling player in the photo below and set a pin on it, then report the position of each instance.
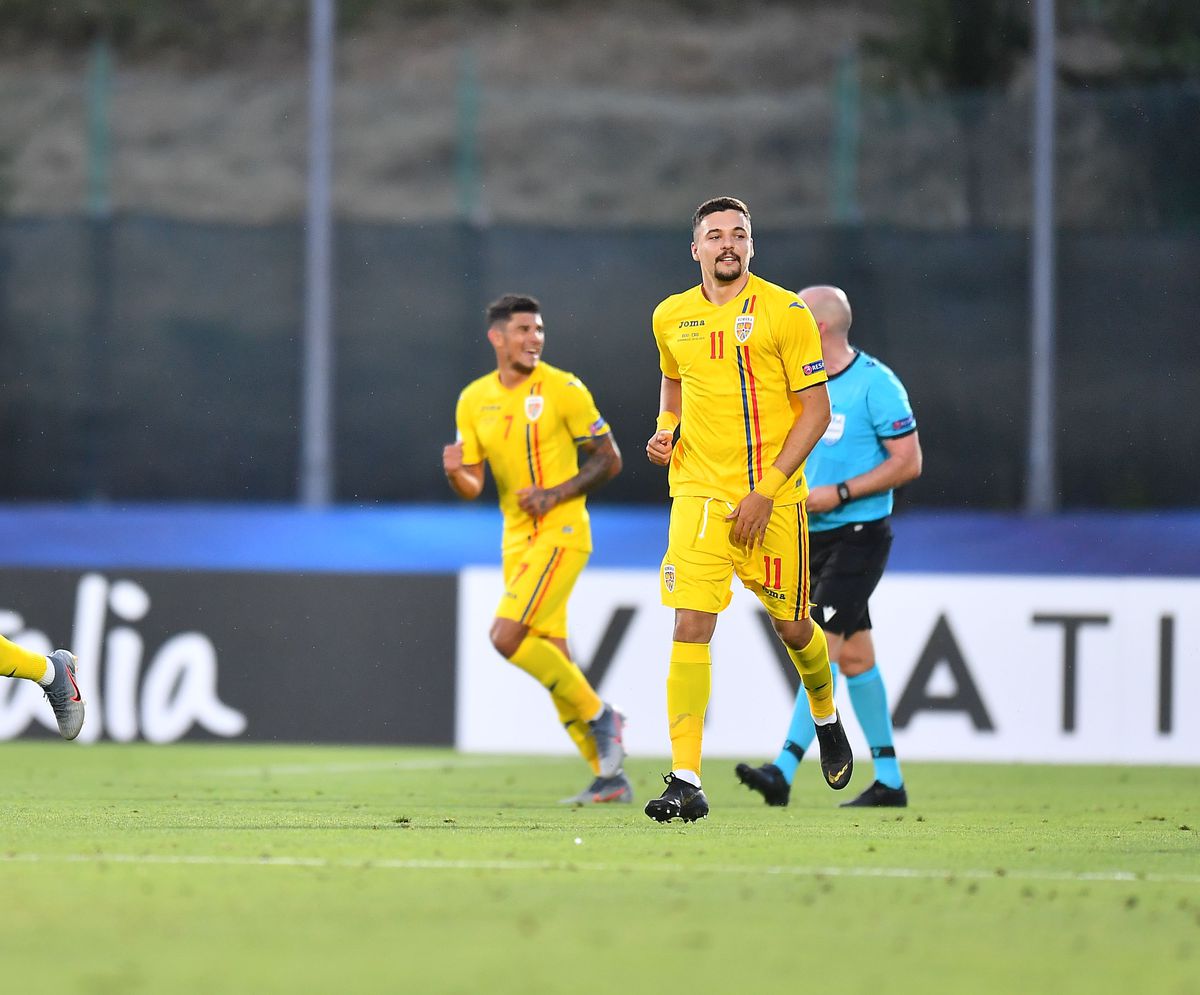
(530, 421)
(744, 380)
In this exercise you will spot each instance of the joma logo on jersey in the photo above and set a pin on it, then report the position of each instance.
(777, 595)
(743, 325)
(669, 576)
(534, 406)
(692, 324)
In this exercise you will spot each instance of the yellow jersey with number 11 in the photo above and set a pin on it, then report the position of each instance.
(741, 366)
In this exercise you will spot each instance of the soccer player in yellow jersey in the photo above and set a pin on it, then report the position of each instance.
(744, 381)
(530, 421)
(56, 675)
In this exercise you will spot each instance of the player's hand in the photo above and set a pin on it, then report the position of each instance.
(535, 501)
(452, 457)
(658, 449)
(750, 519)
(821, 499)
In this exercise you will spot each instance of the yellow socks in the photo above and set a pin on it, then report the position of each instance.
(812, 662)
(558, 675)
(577, 729)
(16, 661)
(689, 683)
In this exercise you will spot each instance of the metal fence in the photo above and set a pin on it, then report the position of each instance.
(145, 358)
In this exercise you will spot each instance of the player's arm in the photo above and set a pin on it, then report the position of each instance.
(465, 479)
(670, 406)
(602, 462)
(902, 465)
(753, 512)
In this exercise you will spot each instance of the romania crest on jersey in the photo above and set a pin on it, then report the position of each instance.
(743, 325)
(535, 404)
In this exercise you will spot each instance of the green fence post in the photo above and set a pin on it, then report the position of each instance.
(98, 422)
(846, 110)
(99, 136)
(467, 164)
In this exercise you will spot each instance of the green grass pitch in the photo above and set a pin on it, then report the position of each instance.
(237, 868)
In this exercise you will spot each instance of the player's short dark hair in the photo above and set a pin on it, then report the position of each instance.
(718, 204)
(505, 307)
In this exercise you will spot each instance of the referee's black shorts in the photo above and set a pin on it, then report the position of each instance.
(845, 565)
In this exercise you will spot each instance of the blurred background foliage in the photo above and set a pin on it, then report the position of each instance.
(937, 44)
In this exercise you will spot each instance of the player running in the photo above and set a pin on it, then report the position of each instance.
(530, 421)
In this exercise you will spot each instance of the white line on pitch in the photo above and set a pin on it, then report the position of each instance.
(430, 763)
(917, 873)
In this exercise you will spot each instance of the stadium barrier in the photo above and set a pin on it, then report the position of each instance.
(166, 655)
(988, 668)
(1068, 639)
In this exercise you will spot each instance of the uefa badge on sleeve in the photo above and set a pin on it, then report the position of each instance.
(743, 325)
(535, 404)
(669, 576)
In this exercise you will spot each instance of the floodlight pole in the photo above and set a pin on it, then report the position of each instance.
(316, 439)
(1041, 490)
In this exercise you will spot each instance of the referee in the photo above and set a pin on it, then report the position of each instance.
(870, 448)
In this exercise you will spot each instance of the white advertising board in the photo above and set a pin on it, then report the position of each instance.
(992, 668)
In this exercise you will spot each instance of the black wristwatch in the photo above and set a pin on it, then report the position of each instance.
(843, 492)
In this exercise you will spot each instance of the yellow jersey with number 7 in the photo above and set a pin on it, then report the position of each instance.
(528, 435)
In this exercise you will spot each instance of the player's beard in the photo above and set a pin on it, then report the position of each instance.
(524, 366)
(729, 276)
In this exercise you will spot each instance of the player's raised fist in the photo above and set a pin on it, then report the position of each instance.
(658, 449)
(452, 457)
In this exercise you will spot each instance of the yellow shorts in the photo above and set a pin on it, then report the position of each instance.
(701, 561)
(537, 584)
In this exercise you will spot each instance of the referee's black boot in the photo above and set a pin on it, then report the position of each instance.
(837, 759)
(767, 780)
(680, 801)
(879, 795)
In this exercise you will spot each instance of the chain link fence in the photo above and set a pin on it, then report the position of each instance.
(149, 359)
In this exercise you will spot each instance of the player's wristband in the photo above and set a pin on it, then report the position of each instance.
(773, 479)
(843, 492)
(667, 421)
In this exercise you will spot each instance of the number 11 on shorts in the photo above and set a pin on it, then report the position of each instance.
(777, 563)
